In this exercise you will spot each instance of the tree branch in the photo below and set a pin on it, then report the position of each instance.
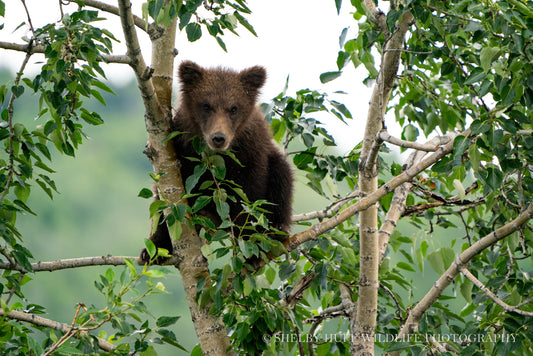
(71, 263)
(508, 308)
(385, 136)
(327, 212)
(460, 261)
(440, 201)
(156, 96)
(122, 59)
(363, 203)
(48, 323)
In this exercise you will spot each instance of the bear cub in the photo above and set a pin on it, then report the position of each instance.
(220, 107)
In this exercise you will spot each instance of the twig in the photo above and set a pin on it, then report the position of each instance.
(327, 212)
(440, 201)
(508, 308)
(48, 323)
(398, 308)
(29, 17)
(122, 59)
(71, 331)
(405, 51)
(427, 147)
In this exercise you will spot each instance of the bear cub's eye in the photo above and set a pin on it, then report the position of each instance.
(206, 107)
(233, 110)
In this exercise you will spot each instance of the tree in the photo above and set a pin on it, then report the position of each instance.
(460, 73)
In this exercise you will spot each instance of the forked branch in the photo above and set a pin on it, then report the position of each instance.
(456, 267)
(48, 323)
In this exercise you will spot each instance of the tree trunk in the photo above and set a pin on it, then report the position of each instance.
(362, 342)
(155, 85)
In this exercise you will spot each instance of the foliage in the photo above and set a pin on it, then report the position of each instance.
(466, 67)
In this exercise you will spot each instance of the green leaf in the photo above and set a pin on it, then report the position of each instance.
(392, 17)
(477, 75)
(487, 56)
(466, 291)
(150, 248)
(436, 262)
(192, 180)
(447, 68)
(338, 4)
(96, 94)
(145, 193)
(194, 31)
(165, 321)
(172, 135)
(410, 133)
(17, 90)
(154, 7)
(474, 156)
(110, 274)
(468, 309)
(196, 351)
(286, 269)
(245, 23)
(131, 267)
(405, 266)
(221, 43)
(460, 145)
(329, 76)
(348, 256)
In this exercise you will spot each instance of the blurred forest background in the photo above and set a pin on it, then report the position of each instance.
(98, 213)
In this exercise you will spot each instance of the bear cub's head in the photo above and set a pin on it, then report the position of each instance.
(220, 102)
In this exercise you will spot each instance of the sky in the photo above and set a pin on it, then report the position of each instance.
(298, 39)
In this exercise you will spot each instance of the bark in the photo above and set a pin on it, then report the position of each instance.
(397, 207)
(155, 85)
(71, 263)
(365, 315)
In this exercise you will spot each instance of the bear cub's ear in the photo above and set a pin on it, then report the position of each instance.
(253, 78)
(189, 72)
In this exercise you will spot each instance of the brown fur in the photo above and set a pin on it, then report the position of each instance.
(219, 105)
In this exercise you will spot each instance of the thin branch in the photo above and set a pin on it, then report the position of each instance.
(440, 201)
(427, 147)
(406, 51)
(71, 263)
(297, 292)
(29, 17)
(398, 308)
(122, 59)
(327, 212)
(48, 323)
(508, 308)
(451, 273)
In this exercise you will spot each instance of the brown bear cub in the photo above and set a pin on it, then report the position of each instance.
(219, 106)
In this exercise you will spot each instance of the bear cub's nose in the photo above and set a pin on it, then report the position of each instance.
(218, 139)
